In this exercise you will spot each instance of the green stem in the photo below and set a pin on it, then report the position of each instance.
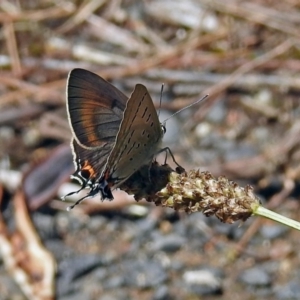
(264, 212)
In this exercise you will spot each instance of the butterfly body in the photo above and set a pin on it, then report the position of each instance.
(113, 136)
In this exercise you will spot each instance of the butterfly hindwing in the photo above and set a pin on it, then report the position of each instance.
(89, 163)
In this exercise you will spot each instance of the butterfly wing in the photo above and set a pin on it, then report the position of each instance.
(138, 139)
(95, 109)
(88, 162)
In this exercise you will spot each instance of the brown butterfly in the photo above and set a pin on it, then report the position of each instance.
(113, 136)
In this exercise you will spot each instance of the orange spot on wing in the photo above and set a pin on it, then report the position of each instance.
(88, 168)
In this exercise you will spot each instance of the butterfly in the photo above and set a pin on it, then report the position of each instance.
(113, 136)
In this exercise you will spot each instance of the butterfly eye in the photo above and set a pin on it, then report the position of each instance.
(163, 128)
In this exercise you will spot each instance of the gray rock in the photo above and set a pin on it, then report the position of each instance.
(255, 277)
(168, 243)
(273, 231)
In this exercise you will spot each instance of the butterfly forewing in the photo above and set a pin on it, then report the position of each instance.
(138, 139)
(95, 108)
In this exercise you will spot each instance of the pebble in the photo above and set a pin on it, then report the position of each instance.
(204, 281)
(255, 277)
(273, 231)
(168, 243)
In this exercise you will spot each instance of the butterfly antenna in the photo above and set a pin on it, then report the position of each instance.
(188, 106)
(160, 99)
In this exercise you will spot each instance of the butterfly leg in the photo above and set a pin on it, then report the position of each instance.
(94, 189)
(72, 193)
(77, 202)
(167, 149)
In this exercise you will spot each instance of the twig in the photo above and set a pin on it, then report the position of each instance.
(37, 15)
(82, 14)
(12, 47)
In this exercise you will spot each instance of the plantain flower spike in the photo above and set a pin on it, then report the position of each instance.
(193, 191)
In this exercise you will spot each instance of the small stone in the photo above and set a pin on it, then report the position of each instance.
(273, 231)
(204, 281)
(255, 277)
(169, 243)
